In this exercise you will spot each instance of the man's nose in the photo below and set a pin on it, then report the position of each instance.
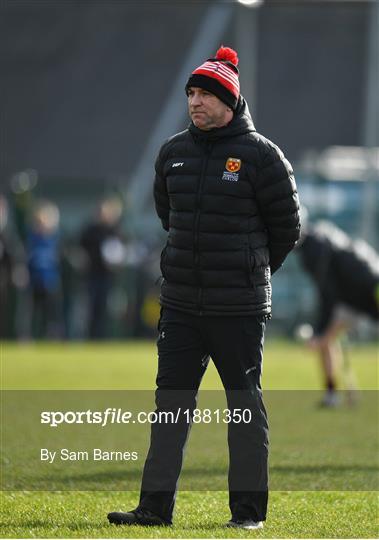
(195, 100)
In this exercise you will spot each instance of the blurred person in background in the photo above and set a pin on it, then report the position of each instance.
(103, 244)
(227, 198)
(5, 269)
(43, 258)
(346, 275)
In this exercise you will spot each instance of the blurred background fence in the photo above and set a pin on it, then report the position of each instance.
(91, 89)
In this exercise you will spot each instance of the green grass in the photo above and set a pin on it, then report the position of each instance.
(346, 466)
(118, 365)
(198, 515)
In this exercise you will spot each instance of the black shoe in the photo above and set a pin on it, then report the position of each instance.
(140, 516)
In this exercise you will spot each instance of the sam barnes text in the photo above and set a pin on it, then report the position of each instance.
(96, 454)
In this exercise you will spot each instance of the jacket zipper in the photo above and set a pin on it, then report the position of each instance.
(207, 152)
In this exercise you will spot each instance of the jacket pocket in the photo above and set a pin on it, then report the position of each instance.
(249, 266)
(163, 260)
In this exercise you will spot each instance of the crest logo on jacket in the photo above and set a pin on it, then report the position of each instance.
(233, 164)
(232, 167)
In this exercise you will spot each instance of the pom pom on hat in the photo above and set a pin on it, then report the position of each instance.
(219, 75)
(227, 54)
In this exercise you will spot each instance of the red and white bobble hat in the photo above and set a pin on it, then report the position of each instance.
(219, 76)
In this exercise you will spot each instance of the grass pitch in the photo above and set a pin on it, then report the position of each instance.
(299, 505)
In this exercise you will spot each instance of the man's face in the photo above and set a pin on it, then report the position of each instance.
(206, 110)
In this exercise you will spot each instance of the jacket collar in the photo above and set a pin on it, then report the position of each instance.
(241, 123)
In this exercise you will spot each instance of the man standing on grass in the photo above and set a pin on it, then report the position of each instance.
(227, 197)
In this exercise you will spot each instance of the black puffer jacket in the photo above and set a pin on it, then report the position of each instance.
(227, 225)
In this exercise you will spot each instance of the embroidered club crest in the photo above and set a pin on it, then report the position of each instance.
(233, 165)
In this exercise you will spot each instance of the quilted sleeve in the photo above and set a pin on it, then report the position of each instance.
(279, 204)
(161, 198)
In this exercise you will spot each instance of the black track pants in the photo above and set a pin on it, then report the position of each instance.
(235, 345)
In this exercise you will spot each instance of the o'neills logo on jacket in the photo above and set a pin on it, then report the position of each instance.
(232, 167)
